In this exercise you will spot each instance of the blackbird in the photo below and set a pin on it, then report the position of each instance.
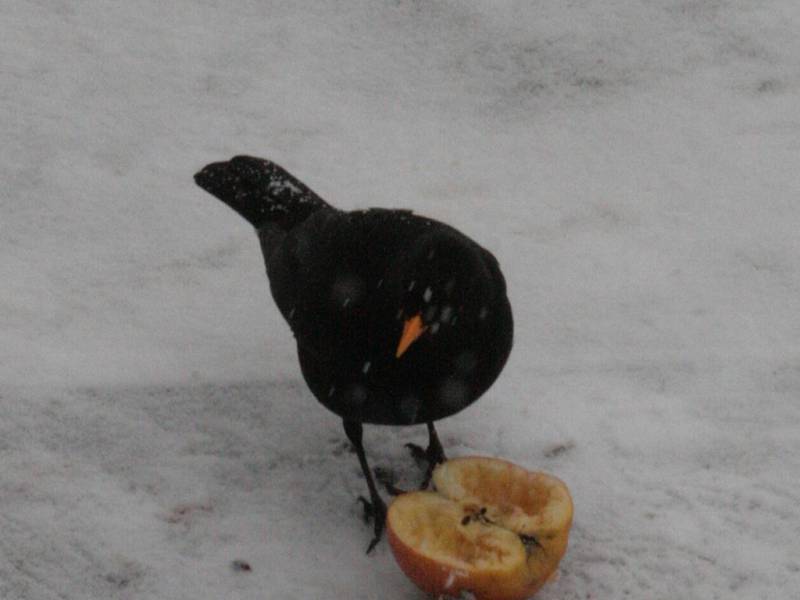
(399, 319)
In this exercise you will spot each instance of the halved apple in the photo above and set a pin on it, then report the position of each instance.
(490, 528)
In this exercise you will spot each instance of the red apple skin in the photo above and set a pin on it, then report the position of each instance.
(437, 578)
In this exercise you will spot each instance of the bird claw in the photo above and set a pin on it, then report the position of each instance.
(368, 510)
(386, 479)
(374, 510)
(418, 453)
(427, 458)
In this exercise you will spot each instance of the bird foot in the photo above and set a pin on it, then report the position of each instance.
(386, 478)
(427, 459)
(419, 454)
(375, 511)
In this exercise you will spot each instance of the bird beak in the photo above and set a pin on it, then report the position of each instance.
(412, 329)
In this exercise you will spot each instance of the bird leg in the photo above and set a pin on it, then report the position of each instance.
(432, 456)
(375, 507)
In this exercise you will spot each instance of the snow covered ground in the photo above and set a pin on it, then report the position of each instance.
(635, 166)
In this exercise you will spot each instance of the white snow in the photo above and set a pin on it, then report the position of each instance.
(632, 164)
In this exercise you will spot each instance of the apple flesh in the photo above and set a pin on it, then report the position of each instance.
(490, 528)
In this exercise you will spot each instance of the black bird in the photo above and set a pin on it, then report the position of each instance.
(399, 319)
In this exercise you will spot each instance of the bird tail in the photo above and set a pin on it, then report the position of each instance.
(260, 191)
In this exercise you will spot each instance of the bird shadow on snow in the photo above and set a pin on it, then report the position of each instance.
(130, 491)
(150, 480)
(234, 438)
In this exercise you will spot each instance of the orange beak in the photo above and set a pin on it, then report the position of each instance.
(412, 329)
